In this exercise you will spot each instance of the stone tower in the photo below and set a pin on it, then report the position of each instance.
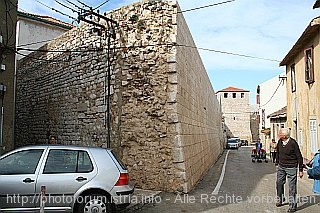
(235, 108)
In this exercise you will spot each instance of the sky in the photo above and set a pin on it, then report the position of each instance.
(245, 40)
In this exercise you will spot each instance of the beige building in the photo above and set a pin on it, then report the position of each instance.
(303, 89)
(165, 121)
(236, 112)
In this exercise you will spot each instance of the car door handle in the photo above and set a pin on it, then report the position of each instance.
(28, 180)
(81, 179)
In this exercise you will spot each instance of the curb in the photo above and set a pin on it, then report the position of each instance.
(141, 198)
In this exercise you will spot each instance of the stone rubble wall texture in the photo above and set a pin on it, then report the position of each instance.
(165, 118)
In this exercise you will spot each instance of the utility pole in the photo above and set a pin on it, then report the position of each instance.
(8, 17)
(110, 32)
(3, 89)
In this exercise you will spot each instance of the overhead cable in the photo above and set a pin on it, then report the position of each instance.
(57, 11)
(211, 5)
(229, 53)
(59, 51)
(44, 41)
(272, 94)
(40, 59)
(63, 5)
(101, 4)
(152, 45)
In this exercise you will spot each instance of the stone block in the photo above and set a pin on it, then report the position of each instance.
(178, 155)
(82, 107)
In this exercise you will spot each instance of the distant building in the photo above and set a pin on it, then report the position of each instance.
(254, 122)
(271, 97)
(236, 112)
(33, 31)
(277, 120)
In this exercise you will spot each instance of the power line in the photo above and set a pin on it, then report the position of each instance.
(272, 94)
(60, 51)
(84, 4)
(229, 53)
(40, 59)
(151, 45)
(74, 4)
(63, 5)
(22, 45)
(211, 5)
(55, 10)
(101, 4)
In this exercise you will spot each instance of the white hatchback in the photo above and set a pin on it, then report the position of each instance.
(69, 178)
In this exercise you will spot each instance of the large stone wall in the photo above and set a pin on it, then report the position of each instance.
(165, 119)
(199, 139)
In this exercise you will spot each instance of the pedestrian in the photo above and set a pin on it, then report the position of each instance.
(313, 163)
(258, 147)
(273, 150)
(53, 140)
(288, 161)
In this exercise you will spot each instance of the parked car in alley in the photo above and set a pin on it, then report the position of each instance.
(232, 143)
(74, 179)
(244, 142)
(238, 140)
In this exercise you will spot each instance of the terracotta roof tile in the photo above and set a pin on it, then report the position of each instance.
(46, 18)
(233, 89)
(280, 113)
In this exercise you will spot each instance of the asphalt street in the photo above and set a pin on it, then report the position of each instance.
(233, 184)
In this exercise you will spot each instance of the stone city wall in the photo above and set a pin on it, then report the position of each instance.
(165, 118)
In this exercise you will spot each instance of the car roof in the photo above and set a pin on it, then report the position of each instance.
(45, 146)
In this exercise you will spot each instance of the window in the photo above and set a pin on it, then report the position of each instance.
(68, 161)
(234, 95)
(293, 78)
(263, 118)
(313, 136)
(300, 137)
(119, 161)
(225, 95)
(309, 73)
(242, 95)
(23, 162)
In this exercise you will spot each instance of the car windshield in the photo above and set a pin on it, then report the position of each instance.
(232, 141)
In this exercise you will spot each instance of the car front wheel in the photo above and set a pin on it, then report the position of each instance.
(95, 203)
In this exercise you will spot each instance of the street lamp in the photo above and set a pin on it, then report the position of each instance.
(3, 89)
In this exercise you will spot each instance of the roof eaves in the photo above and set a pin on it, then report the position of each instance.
(308, 32)
(232, 89)
(36, 18)
(280, 113)
(316, 4)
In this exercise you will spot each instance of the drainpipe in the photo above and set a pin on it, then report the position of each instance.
(3, 89)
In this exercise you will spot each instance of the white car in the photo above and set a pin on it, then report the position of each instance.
(73, 179)
(232, 143)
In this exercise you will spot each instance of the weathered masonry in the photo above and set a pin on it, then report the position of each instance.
(165, 118)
